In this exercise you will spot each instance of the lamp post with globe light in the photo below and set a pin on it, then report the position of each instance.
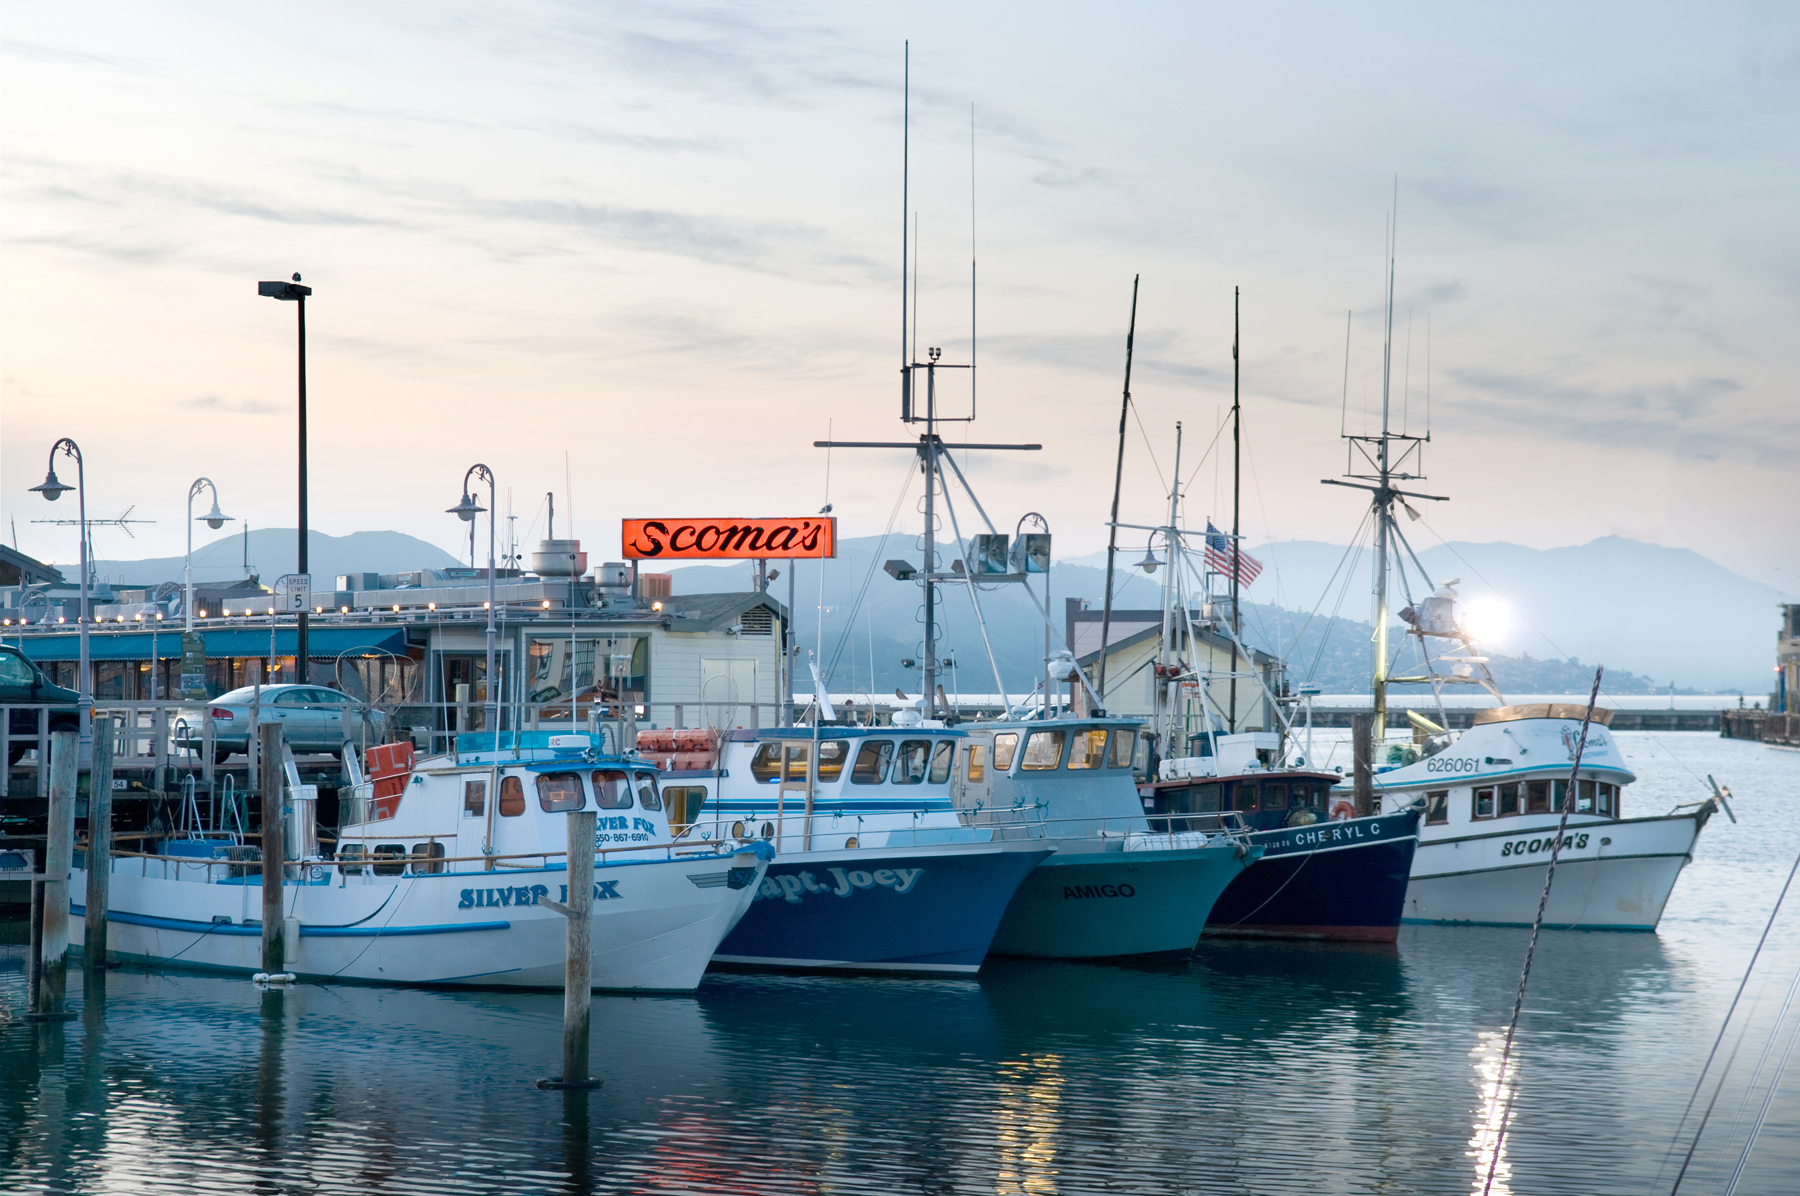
(214, 519)
(466, 510)
(52, 489)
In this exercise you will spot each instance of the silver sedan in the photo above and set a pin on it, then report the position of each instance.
(312, 719)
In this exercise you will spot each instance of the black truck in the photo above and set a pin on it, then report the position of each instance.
(23, 686)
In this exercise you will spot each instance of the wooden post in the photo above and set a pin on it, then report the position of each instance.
(273, 850)
(1362, 751)
(99, 851)
(59, 855)
(578, 978)
(578, 974)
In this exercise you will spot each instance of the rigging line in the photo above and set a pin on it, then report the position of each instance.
(970, 491)
(1249, 659)
(1762, 1061)
(1153, 462)
(1537, 925)
(1762, 1115)
(1355, 543)
(1730, 1010)
(1343, 595)
(1211, 444)
(1268, 530)
(980, 621)
(874, 563)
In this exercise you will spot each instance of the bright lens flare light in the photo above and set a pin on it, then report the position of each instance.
(1487, 619)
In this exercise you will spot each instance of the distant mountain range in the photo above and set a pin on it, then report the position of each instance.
(271, 552)
(1652, 615)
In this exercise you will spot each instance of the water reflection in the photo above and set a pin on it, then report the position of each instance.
(1265, 1068)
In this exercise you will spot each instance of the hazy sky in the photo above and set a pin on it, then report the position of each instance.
(664, 241)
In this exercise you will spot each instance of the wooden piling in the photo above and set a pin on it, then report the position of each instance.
(59, 856)
(99, 849)
(578, 976)
(274, 850)
(1362, 751)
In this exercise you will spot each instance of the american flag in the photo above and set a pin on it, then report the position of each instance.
(1218, 557)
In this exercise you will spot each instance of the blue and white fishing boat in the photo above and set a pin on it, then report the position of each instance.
(874, 870)
(439, 876)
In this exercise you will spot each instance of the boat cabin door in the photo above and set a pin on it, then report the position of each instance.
(972, 785)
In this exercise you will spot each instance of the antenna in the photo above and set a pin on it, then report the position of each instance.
(915, 286)
(1344, 403)
(905, 208)
(972, 411)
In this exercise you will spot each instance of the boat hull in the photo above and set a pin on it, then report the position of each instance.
(1087, 904)
(655, 924)
(917, 909)
(1609, 875)
(1343, 880)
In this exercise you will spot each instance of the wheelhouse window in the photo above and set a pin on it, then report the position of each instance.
(559, 792)
(975, 763)
(646, 791)
(765, 765)
(1537, 797)
(1043, 751)
(612, 790)
(1584, 797)
(1609, 800)
(684, 802)
(942, 757)
(1005, 747)
(1089, 749)
(1123, 745)
(1204, 799)
(512, 797)
(1243, 797)
(1437, 807)
(474, 798)
(832, 754)
(1509, 799)
(1484, 802)
(872, 762)
(910, 766)
(1275, 797)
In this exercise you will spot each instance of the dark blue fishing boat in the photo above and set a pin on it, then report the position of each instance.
(1322, 875)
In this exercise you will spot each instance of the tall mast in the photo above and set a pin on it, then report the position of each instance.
(1236, 454)
(1112, 527)
(928, 450)
(1165, 704)
(1384, 495)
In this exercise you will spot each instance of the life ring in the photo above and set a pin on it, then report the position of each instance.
(1342, 808)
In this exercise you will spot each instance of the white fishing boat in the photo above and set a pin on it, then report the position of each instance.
(1492, 800)
(440, 875)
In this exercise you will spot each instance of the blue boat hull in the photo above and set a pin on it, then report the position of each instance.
(920, 909)
(1085, 904)
(1331, 880)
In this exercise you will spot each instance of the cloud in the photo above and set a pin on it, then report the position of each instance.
(222, 405)
(59, 56)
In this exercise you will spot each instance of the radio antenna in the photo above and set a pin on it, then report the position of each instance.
(905, 211)
(972, 263)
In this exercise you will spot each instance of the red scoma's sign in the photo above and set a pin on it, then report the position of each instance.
(728, 539)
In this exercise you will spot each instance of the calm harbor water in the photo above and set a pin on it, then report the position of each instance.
(1252, 1069)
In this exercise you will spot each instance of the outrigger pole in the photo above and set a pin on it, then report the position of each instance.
(1112, 534)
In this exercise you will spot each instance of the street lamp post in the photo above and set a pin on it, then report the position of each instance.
(214, 519)
(52, 489)
(295, 293)
(466, 510)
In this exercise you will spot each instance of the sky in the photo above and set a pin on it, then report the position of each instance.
(644, 255)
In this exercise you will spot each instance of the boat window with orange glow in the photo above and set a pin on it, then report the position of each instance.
(1089, 749)
(1005, 746)
(975, 763)
(512, 797)
(559, 792)
(832, 755)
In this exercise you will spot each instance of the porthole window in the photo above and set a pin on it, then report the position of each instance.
(850, 842)
(512, 797)
(425, 857)
(768, 831)
(737, 830)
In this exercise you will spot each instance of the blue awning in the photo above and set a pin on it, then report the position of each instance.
(238, 641)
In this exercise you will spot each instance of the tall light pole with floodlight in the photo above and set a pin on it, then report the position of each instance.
(295, 293)
(52, 489)
(214, 519)
(466, 510)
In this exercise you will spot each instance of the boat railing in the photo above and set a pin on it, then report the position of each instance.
(244, 861)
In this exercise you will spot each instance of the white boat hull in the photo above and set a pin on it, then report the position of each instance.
(1609, 875)
(655, 926)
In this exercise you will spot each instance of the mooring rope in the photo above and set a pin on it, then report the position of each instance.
(1537, 924)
